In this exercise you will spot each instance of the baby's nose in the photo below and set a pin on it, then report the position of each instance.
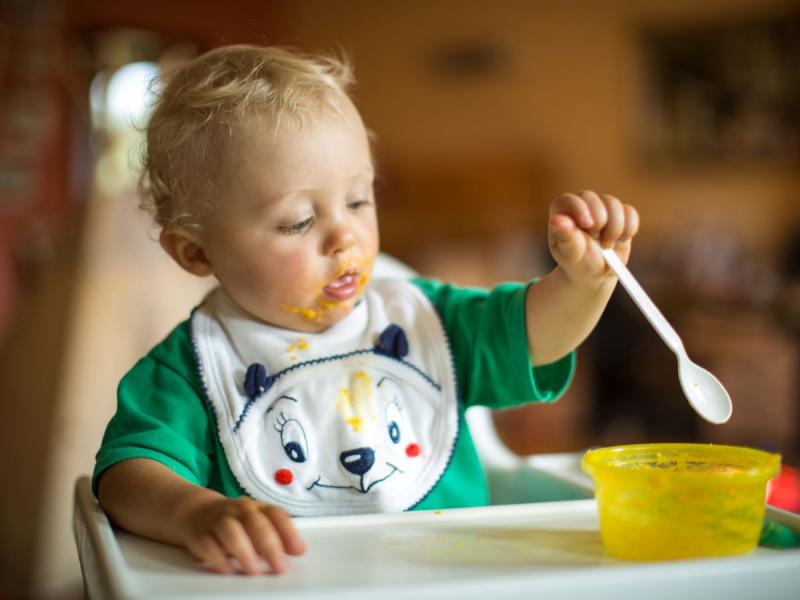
(340, 237)
(358, 461)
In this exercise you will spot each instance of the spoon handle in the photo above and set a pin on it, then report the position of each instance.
(642, 300)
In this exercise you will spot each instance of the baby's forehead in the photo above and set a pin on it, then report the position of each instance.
(280, 127)
(292, 154)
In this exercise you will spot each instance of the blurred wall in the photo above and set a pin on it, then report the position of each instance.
(571, 97)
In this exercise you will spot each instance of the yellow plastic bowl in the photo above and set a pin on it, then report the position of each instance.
(673, 501)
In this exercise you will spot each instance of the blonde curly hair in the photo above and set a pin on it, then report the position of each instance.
(210, 99)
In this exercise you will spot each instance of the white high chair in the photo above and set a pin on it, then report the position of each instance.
(544, 542)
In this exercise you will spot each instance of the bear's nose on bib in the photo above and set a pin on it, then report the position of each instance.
(358, 461)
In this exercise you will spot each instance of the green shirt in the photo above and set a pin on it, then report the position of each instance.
(162, 414)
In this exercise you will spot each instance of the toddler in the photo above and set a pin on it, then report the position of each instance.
(298, 387)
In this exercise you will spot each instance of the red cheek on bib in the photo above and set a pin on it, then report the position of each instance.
(284, 476)
(413, 450)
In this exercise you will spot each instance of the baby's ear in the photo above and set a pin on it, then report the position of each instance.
(186, 249)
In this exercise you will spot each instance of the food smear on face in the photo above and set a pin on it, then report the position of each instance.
(314, 315)
(362, 282)
(308, 314)
(327, 304)
(354, 278)
(342, 288)
(349, 282)
(351, 287)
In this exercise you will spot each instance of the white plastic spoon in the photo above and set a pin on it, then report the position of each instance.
(704, 391)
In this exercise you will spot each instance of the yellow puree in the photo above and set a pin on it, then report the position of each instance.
(302, 344)
(661, 518)
(315, 314)
(354, 403)
(309, 314)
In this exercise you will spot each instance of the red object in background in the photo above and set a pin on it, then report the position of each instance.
(784, 490)
(39, 109)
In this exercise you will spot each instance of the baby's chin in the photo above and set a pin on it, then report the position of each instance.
(317, 318)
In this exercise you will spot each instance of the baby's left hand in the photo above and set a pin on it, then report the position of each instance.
(579, 223)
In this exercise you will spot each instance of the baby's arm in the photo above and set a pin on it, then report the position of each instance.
(147, 498)
(565, 305)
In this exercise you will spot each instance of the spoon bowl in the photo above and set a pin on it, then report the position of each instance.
(703, 391)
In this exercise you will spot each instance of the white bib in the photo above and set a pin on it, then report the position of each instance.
(360, 418)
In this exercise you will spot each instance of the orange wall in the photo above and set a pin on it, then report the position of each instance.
(571, 96)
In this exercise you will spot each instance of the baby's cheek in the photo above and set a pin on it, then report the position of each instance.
(299, 271)
(291, 273)
(289, 264)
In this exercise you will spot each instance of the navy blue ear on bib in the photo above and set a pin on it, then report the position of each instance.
(392, 342)
(256, 381)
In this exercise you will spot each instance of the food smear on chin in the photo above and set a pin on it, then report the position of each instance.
(307, 314)
(315, 315)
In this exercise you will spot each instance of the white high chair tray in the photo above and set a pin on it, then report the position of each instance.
(548, 549)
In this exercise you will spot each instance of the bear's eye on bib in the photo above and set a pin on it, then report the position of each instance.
(293, 439)
(393, 421)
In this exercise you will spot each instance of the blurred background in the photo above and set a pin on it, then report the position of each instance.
(483, 113)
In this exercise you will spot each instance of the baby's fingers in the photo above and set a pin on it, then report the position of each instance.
(284, 525)
(574, 207)
(631, 223)
(615, 223)
(597, 209)
(233, 537)
(208, 551)
(266, 540)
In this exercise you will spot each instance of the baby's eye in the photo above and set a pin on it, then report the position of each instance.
(356, 204)
(298, 227)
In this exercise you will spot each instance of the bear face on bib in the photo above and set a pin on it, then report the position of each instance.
(343, 428)
(366, 430)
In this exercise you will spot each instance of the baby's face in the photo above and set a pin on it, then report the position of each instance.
(295, 234)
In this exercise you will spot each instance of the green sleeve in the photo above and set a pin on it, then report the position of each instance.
(161, 415)
(488, 339)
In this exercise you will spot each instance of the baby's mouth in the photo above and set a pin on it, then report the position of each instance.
(343, 287)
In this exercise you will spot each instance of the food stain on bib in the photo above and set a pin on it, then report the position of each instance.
(293, 349)
(354, 403)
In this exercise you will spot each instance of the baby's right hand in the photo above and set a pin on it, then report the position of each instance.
(244, 529)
